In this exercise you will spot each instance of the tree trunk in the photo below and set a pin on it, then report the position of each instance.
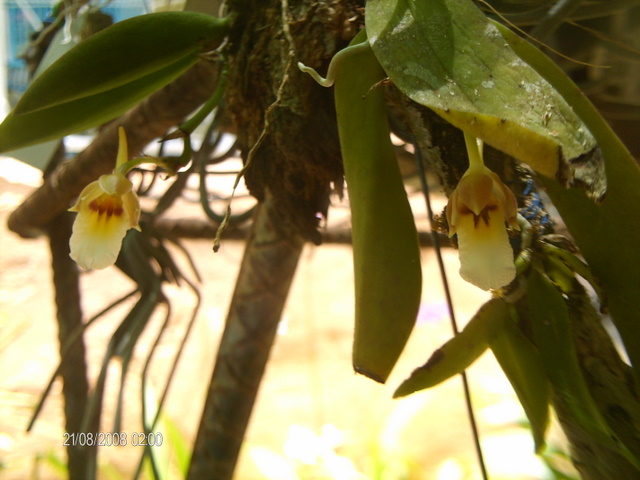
(75, 384)
(268, 267)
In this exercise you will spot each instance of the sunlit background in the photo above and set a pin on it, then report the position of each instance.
(314, 419)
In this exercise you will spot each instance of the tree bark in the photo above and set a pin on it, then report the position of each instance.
(75, 384)
(268, 267)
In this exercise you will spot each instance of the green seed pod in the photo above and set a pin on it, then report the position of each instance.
(388, 276)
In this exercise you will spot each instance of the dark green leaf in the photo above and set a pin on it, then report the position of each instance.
(19, 131)
(521, 363)
(121, 54)
(109, 73)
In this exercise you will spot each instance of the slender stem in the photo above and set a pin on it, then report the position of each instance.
(123, 151)
(473, 150)
(447, 292)
(337, 59)
(191, 124)
(170, 164)
(126, 167)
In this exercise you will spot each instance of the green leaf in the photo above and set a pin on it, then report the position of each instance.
(553, 337)
(17, 131)
(521, 363)
(459, 352)
(446, 55)
(109, 73)
(121, 54)
(608, 233)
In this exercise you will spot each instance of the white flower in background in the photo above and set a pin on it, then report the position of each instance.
(477, 211)
(107, 209)
(317, 453)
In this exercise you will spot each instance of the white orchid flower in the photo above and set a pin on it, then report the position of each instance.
(477, 211)
(107, 209)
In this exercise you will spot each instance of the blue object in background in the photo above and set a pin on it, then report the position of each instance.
(23, 15)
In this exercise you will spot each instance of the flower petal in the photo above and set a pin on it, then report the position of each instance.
(115, 184)
(475, 189)
(507, 199)
(131, 205)
(486, 257)
(89, 193)
(98, 231)
(123, 151)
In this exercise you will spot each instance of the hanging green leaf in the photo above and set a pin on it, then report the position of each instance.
(554, 339)
(521, 363)
(446, 55)
(459, 352)
(108, 73)
(386, 253)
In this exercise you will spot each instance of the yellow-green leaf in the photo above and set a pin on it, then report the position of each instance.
(446, 55)
(458, 353)
(607, 233)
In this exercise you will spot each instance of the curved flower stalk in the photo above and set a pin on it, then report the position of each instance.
(107, 209)
(477, 211)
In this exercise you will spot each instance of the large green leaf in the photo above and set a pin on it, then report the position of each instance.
(109, 73)
(446, 55)
(121, 54)
(608, 233)
(386, 253)
(18, 131)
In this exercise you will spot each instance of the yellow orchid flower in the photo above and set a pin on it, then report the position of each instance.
(107, 209)
(477, 211)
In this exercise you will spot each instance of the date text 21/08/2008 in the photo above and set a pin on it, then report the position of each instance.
(115, 439)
